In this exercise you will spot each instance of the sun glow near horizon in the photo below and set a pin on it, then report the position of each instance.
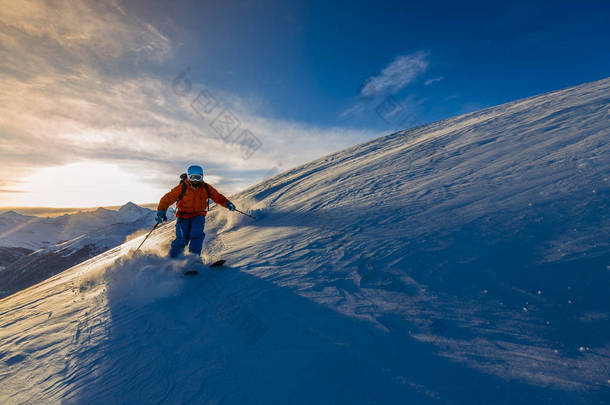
(82, 184)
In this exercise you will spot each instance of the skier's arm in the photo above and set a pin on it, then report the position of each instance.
(170, 198)
(217, 197)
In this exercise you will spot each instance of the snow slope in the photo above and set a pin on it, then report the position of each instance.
(462, 262)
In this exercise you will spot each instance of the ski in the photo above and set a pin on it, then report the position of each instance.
(217, 263)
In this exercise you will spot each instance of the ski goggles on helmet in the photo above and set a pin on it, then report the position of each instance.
(195, 177)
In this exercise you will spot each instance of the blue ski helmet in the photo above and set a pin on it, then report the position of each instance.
(195, 175)
(194, 169)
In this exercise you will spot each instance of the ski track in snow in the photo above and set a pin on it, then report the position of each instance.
(461, 262)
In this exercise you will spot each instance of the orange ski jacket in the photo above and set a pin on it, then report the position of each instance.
(194, 202)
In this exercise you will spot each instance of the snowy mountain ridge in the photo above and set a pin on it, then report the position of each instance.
(461, 262)
(35, 233)
(90, 233)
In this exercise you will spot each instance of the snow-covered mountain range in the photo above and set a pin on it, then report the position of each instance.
(462, 262)
(34, 248)
(32, 232)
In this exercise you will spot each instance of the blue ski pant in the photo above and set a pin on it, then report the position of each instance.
(188, 230)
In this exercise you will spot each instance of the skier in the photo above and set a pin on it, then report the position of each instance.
(192, 196)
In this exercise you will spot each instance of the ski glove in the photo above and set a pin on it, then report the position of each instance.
(161, 216)
(230, 206)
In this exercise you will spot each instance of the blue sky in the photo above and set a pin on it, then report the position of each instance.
(99, 87)
(307, 60)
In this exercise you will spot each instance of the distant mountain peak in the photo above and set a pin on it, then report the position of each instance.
(131, 211)
(12, 214)
(130, 204)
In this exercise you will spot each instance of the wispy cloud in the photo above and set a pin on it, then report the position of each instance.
(142, 125)
(402, 71)
(431, 81)
(353, 110)
(378, 91)
(40, 37)
(63, 100)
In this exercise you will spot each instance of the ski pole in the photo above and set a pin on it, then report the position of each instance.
(243, 213)
(151, 231)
